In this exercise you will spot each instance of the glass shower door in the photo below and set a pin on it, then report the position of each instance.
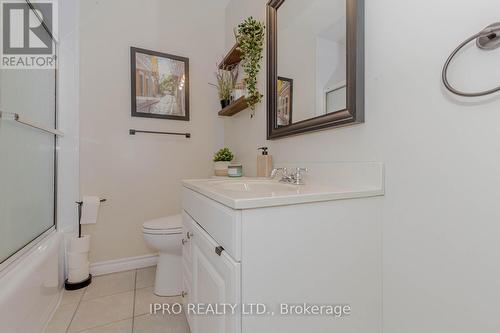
(27, 158)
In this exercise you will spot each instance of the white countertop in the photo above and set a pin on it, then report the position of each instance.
(247, 193)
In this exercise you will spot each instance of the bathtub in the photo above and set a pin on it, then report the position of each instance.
(30, 287)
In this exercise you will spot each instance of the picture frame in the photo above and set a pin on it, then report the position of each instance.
(159, 85)
(285, 101)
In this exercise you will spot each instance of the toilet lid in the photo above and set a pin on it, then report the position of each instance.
(172, 222)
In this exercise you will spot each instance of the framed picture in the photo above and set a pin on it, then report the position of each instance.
(160, 85)
(285, 101)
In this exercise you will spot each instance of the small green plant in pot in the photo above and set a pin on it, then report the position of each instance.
(222, 159)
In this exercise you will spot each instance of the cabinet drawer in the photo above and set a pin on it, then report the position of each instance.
(219, 221)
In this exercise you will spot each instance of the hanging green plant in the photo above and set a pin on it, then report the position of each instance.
(250, 37)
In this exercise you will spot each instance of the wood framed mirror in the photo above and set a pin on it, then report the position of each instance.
(315, 49)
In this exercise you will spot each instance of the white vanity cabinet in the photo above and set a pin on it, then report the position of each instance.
(314, 253)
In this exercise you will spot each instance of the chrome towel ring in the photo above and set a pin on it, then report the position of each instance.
(487, 39)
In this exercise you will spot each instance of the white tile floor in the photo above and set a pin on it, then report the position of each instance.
(116, 303)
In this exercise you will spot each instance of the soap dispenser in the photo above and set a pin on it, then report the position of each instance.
(264, 163)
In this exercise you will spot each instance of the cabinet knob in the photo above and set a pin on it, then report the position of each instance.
(219, 250)
(184, 241)
(184, 294)
(189, 235)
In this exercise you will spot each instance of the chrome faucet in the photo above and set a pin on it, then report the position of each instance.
(296, 176)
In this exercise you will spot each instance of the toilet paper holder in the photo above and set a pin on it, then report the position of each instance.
(87, 281)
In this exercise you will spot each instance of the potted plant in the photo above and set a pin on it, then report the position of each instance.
(250, 37)
(225, 84)
(222, 159)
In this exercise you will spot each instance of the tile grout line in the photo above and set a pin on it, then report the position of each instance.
(113, 294)
(76, 309)
(103, 325)
(81, 300)
(112, 322)
(152, 287)
(133, 304)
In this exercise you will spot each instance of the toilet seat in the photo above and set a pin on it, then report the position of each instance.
(167, 225)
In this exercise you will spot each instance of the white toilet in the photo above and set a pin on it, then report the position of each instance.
(165, 235)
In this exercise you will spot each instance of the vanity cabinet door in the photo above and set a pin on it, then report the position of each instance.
(216, 281)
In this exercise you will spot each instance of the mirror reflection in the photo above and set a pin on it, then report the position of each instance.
(311, 58)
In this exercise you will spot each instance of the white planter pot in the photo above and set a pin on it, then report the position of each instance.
(221, 168)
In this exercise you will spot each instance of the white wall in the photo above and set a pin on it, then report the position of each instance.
(140, 175)
(441, 227)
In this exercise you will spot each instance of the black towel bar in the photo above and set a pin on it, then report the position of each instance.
(134, 131)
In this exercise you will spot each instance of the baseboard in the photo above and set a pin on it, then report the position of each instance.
(124, 264)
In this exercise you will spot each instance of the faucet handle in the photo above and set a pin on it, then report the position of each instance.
(284, 172)
(299, 171)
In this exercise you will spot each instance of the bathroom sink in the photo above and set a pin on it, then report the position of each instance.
(251, 192)
(256, 187)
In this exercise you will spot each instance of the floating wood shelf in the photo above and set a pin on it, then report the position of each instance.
(239, 105)
(232, 58)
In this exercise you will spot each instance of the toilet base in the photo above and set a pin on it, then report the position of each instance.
(168, 281)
